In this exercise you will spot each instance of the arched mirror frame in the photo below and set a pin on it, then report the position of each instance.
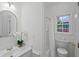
(12, 14)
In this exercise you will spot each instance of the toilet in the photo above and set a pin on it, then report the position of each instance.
(62, 52)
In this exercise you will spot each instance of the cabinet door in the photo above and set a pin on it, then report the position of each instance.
(27, 54)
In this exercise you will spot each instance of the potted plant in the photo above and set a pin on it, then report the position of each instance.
(19, 39)
(20, 43)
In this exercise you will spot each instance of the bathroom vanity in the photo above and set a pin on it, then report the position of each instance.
(8, 25)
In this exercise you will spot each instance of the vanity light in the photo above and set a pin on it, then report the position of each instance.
(5, 4)
(11, 5)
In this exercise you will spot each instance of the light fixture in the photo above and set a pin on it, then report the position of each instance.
(5, 4)
(11, 5)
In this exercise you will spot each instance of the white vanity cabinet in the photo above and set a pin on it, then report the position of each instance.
(22, 52)
(27, 54)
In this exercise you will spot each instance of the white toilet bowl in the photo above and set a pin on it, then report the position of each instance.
(61, 52)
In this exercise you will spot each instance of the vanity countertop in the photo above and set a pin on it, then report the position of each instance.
(15, 52)
(21, 51)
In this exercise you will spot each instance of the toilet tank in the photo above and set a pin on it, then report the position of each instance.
(61, 44)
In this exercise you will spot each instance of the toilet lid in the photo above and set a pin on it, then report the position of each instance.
(62, 51)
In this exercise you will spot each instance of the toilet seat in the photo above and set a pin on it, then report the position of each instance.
(62, 51)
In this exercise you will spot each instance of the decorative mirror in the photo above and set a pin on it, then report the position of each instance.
(7, 23)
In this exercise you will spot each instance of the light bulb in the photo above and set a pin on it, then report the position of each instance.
(12, 7)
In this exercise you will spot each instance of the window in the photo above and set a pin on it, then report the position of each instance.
(63, 23)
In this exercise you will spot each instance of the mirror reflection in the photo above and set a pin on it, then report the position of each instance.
(7, 23)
